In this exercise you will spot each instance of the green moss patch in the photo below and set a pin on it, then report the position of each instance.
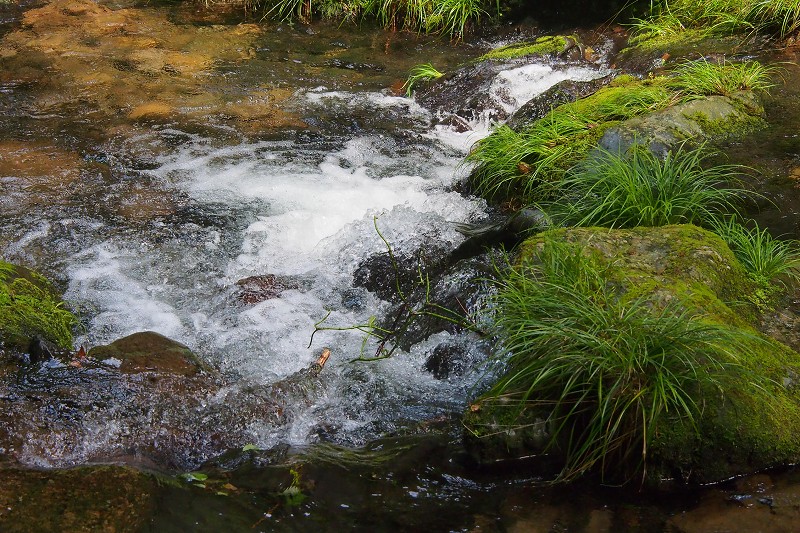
(548, 45)
(661, 112)
(29, 307)
(529, 162)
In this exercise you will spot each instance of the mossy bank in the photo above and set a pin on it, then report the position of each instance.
(747, 416)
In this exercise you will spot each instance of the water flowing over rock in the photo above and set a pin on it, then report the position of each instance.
(490, 91)
(561, 93)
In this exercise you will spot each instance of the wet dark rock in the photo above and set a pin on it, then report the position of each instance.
(447, 304)
(500, 229)
(381, 273)
(149, 414)
(447, 360)
(148, 351)
(561, 93)
(255, 289)
(463, 93)
(41, 349)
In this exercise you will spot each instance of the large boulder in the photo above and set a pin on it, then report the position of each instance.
(710, 118)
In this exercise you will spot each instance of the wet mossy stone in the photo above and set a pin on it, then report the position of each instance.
(749, 421)
(710, 118)
(646, 52)
(547, 45)
(31, 310)
(148, 351)
(86, 499)
(563, 92)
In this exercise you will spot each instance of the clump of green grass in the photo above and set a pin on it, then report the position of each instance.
(610, 370)
(720, 17)
(530, 163)
(768, 260)
(418, 74)
(782, 16)
(451, 17)
(639, 188)
(702, 78)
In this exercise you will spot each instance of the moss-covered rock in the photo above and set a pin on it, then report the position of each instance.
(714, 117)
(530, 162)
(647, 51)
(750, 418)
(30, 308)
(547, 45)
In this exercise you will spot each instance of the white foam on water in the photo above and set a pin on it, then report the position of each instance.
(509, 91)
(126, 305)
(512, 88)
(311, 216)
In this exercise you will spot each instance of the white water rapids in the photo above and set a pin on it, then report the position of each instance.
(305, 210)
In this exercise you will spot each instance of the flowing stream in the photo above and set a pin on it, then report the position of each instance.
(152, 156)
(290, 157)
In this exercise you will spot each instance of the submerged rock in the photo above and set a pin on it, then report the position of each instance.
(148, 351)
(255, 289)
(98, 498)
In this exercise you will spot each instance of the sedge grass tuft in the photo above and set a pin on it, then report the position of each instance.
(768, 260)
(419, 74)
(610, 370)
(638, 188)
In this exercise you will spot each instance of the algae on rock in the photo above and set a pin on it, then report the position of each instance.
(714, 117)
(547, 45)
